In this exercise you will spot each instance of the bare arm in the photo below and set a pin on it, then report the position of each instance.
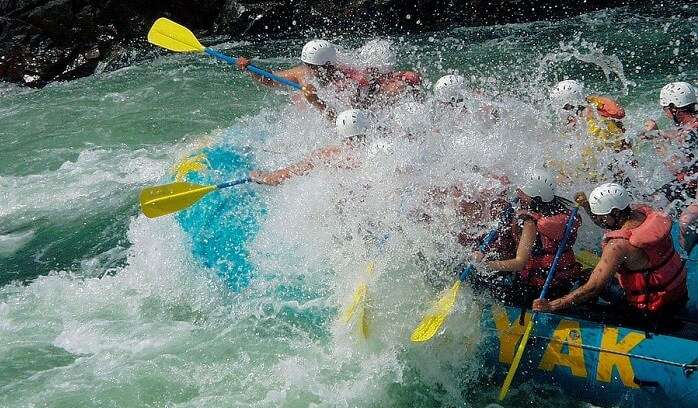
(611, 260)
(310, 94)
(303, 167)
(523, 251)
(295, 74)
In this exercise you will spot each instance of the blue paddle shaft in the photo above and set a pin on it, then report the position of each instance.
(233, 183)
(489, 239)
(253, 69)
(558, 254)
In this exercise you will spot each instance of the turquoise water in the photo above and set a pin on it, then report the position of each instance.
(100, 306)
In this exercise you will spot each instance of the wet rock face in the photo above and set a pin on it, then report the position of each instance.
(55, 40)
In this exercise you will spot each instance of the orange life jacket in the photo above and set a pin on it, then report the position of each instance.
(550, 231)
(663, 282)
(607, 107)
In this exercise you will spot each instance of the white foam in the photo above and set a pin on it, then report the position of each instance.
(13, 242)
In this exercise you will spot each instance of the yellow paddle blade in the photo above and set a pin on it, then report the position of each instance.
(369, 268)
(588, 259)
(193, 164)
(364, 324)
(168, 34)
(162, 200)
(515, 362)
(357, 299)
(432, 322)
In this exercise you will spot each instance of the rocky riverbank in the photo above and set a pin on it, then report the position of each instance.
(43, 41)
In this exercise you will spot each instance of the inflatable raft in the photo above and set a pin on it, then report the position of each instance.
(221, 225)
(590, 355)
(596, 356)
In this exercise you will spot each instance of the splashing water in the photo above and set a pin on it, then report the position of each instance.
(101, 306)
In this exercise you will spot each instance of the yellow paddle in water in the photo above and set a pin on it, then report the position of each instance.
(432, 321)
(166, 199)
(167, 34)
(529, 327)
(358, 303)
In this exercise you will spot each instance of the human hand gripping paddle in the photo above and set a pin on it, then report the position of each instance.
(529, 328)
(432, 322)
(167, 34)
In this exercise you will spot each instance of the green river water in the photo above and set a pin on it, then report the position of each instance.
(100, 306)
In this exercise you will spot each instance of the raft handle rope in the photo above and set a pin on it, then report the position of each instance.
(688, 368)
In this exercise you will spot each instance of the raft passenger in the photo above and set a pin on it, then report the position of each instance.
(603, 118)
(539, 229)
(679, 101)
(351, 126)
(451, 91)
(638, 249)
(319, 68)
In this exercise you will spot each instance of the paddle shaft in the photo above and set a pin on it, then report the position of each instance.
(546, 286)
(252, 68)
(489, 238)
(233, 183)
(558, 254)
(486, 242)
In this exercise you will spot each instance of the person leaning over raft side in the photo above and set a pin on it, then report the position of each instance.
(637, 249)
(679, 101)
(320, 65)
(541, 226)
(352, 126)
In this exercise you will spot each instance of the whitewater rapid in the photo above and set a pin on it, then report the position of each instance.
(103, 307)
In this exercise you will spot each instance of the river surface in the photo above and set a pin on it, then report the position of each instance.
(100, 306)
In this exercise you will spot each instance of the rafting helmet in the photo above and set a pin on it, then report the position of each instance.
(352, 122)
(539, 183)
(680, 94)
(607, 197)
(450, 88)
(568, 92)
(319, 52)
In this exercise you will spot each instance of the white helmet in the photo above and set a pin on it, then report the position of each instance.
(352, 122)
(378, 54)
(450, 88)
(608, 196)
(568, 92)
(319, 52)
(679, 94)
(540, 183)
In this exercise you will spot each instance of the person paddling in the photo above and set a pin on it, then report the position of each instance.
(679, 101)
(319, 67)
(539, 230)
(351, 126)
(319, 64)
(638, 249)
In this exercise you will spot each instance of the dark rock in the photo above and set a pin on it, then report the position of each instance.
(49, 40)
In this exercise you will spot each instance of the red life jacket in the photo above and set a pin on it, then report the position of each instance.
(410, 78)
(351, 76)
(550, 231)
(663, 282)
